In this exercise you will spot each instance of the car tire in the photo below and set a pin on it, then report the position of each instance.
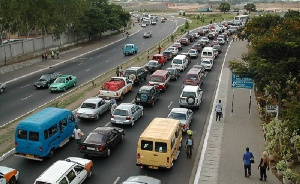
(132, 122)
(90, 172)
(1, 90)
(190, 100)
(108, 152)
(122, 137)
(64, 89)
(51, 153)
(13, 180)
(97, 117)
(121, 97)
(74, 84)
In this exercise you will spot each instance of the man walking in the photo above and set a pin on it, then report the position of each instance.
(189, 146)
(77, 135)
(57, 53)
(219, 108)
(159, 49)
(52, 54)
(247, 163)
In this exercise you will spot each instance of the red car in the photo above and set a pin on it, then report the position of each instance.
(184, 41)
(197, 46)
(160, 58)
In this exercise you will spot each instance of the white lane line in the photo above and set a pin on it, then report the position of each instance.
(25, 86)
(106, 61)
(107, 124)
(79, 64)
(170, 104)
(88, 69)
(26, 97)
(116, 181)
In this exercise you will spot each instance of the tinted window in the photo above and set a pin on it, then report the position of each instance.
(34, 136)
(121, 112)
(177, 61)
(161, 147)
(71, 176)
(52, 130)
(22, 134)
(96, 138)
(63, 181)
(46, 134)
(88, 105)
(146, 145)
(188, 94)
(156, 79)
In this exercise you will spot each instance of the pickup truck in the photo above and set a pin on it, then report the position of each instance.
(115, 88)
(2, 87)
(130, 49)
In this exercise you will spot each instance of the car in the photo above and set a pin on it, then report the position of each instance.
(160, 58)
(140, 74)
(181, 11)
(218, 48)
(178, 45)
(193, 53)
(215, 42)
(225, 35)
(205, 39)
(152, 66)
(207, 63)
(184, 41)
(198, 67)
(202, 43)
(143, 25)
(62, 83)
(184, 115)
(190, 37)
(141, 180)
(147, 34)
(197, 46)
(92, 108)
(147, 95)
(162, 20)
(205, 29)
(221, 41)
(168, 54)
(8, 175)
(46, 80)
(101, 141)
(211, 35)
(195, 35)
(190, 97)
(2, 87)
(153, 22)
(174, 73)
(201, 32)
(188, 56)
(216, 53)
(127, 114)
(174, 50)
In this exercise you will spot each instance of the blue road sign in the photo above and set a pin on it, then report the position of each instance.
(241, 81)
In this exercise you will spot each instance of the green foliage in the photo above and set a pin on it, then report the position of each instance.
(250, 7)
(183, 14)
(186, 25)
(198, 17)
(224, 7)
(288, 174)
(281, 165)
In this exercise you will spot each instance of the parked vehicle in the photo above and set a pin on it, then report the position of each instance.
(193, 53)
(72, 170)
(184, 115)
(141, 179)
(152, 66)
(62, 83)
(40, 134)
(194, 77)
(147, 95)
(174, 73)
(139, 72)
(8, 175)
(159, 151)
(160, 79)
(130, 49)
(147, 34)
(115, 88)
(190, 97)
(168, 54)
(46, 79)
(2, 87)
(92, 108)
(160, 58)
(127, 114)
(101, 141)
(180, 62)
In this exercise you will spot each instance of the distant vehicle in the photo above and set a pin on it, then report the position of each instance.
(205, 39)
(205, 9)
(92, 108)
(168, 54)
(197, 46)
(152, 66)
(160, 58)
(184, 41)
(184, 115)
(62, 83)
(147, 34)
(240, 18)
(2, 87)
(221, 41)
(162, 20)
(207, 63)
(153, 22)
(178, 45)
(127, 114)
(143, 25)
(8, 175)
(141, 180)
(147, 95)
(174, 50)
(218, 48)
(193, 53)
(46, 80)
(181, 11)
(130, 49)
(101, 141)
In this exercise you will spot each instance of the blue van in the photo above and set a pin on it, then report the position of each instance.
(39, 135)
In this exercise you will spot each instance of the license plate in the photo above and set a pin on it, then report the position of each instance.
(27, 155)
(89, 148)
(120, 122)
(153, 167)
(38, 86)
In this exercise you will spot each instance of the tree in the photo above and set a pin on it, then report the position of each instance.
(186, 25)
(224, 7)
(250, 7)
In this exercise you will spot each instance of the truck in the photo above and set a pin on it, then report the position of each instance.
(130, 49)
(2, 87)
(205, 9)
(115, 88)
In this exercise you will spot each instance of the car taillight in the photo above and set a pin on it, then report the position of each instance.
(112, 116)
(41, 148)
(82, 147)
(128, 117)
(100, 149)
(184, 126)
(168, 159)
(138, 156)
(117, 94)
(16, 144)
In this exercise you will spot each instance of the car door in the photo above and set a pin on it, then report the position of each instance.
(112, 140)
(104, 106)
(81, 174)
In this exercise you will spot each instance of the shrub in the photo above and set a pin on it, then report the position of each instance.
(281, 165)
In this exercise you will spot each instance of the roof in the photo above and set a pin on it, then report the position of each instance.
(103, 129)
(64, 76)
(93, 100)
(159, 72)
(160, 128)
(180, 57)
(190, 88)
(146, 88)
(125, 106)
(181, 110)
(158, 55)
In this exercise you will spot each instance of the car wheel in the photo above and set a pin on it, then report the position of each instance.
(153, 103)
(122, 96)
(64, 89)
(132, 122)
(89, 174)
(97, 117)
(1, 90)
(51, 153)
(74, 84)
(108, 152)
(12, 180)
(122, 138)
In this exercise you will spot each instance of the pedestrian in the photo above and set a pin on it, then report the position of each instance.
(52, 54)
(219, 108)
(233, 37)
(148, 56)
(77, 135)
(118, 72)
(121, 72)
(57, 54)
(263, 166)
(189, 132)
(159, 49)
(46, 55)
(210, 22)
(113, 106)
(227, 39)
(189, 146)
(43, 56)
(247, 163)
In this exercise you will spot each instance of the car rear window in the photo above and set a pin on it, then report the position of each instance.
(88, 105)
(129, 72)
(161, 147)
(22, 134)
(191, 76)
(96, 138)
(34, 136)
(177, 61)
(188, 94)
(121, 112)
(146, 145)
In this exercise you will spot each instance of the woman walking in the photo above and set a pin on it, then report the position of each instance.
(263, 166)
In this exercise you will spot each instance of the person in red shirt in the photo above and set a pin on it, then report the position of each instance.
(159, 49)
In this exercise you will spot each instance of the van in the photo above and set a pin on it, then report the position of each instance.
(72, 170)
(208, 52)
(40, 134)
(180, 62)
(194, 77)
(160, 79)
(159, 144)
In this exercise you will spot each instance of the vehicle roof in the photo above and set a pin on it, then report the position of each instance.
(153, 61)
(103, 130)
(141, 180)
(93, 100)
(146, 88)
(64, 76)
(180, 57)
(182, 110)
(194, 71)
(190, 88)
(158, 55)
(159, 72)
(160, 128)
(134, 68)
(207, 48)
(171, 68)
(125, 106)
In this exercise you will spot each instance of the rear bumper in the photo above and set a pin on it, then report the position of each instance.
(33, 157)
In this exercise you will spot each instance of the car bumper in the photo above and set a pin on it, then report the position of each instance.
(85, 116)
(126, 122)
(94, 153)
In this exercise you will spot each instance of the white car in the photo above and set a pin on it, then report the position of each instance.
(221, 41)
(174, 50)
(205, 39)
(184, 115)
(144, 25)
(8, 175)
(190, 97)
(193, 53)
(207, 63)
(92, 108)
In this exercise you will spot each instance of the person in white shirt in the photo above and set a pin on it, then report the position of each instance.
(77, 135)
(218, 110)
(113, 106)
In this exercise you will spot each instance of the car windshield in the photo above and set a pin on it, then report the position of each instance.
(60, 80)
(156, 79)
(191, 77)
(188, 94)
(128, 47)
(121, 112)
(177, 61)
(45, 77)
(206, 62)
(178, 116)
(96, 138)
(152, 63)
(172, 71)
(171, 48)
(129, 72)
(192, 51)
(88, 105)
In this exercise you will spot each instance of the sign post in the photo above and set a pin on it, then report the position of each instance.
(272, 109)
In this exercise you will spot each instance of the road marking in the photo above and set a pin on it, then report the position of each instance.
(26, 97)
(79, 63)
(116, 181)
(107, 124)
(170, 104)
(25, 86)
(106, 61)
(88, 69)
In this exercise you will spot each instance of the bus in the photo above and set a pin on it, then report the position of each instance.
(240, 19)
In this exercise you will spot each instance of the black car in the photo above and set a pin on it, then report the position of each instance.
(202, 43)
(197, 46)
(101, 141)
(147, 95)
(152, 66)
(168, 54)
(218, 48)
(174, 73)
(190, 37)
(46, 79)
(139, 72)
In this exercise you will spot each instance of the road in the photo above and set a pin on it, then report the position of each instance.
(121, 164)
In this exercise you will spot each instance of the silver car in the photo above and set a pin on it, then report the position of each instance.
(184, 115)
(141, 179)
(193, 53)
(92, 108)
(127, 114)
